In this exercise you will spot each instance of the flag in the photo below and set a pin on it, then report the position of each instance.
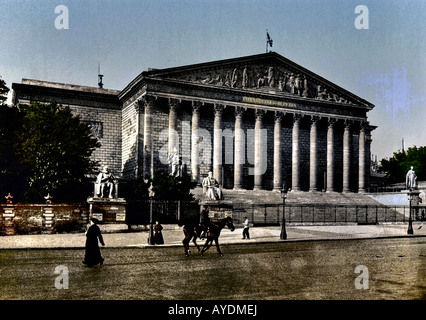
(269, 39)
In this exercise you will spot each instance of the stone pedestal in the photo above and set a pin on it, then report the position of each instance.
(218, 210)
(107, 211)
(48, 219)
(8, 217)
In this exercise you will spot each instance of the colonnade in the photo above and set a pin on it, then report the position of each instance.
(259, 158)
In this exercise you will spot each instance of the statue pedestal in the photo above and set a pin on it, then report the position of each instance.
(107, 210)
(218, 209)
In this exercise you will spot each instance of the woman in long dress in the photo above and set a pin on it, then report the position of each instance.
(158, 235)
(93, 253)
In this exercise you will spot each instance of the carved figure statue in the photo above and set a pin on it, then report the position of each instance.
(411, 179)
(234, 78)
(271, 77)
(245, 82)
(211, 187)
(105, 182)
(175, 163)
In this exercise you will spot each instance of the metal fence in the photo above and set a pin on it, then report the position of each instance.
(272, 214)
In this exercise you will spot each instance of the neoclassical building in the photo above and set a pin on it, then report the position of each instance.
(257, 122)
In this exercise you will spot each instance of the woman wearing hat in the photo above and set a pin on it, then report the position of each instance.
(93, 254)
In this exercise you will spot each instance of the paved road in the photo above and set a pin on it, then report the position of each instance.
(292, 270)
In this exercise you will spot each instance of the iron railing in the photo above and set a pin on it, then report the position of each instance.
(272, 214)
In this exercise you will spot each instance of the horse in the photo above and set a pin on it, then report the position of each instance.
(191, 231)
(214, 232)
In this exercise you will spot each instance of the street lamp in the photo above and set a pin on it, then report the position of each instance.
(151, 193)
(410, 222)
(283, 235)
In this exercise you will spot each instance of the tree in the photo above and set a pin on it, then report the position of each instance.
(10, 119)
(4, 90)
(54, 150)
(397, 167)
(167, 187)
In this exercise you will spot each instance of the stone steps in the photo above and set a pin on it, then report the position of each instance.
(274, 197)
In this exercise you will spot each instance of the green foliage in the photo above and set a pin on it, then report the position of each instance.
(397, 167)
(166, 187)
(4, 90)
(50, 150)
(169, 187)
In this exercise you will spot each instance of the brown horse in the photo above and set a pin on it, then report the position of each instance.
(214, 232)
(192, 231)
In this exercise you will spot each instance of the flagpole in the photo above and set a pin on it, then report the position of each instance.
(266, 40)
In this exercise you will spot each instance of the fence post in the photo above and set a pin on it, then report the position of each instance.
(377, 211)
(265, 214)
(178, 210)
(313, 214)
(356, 214)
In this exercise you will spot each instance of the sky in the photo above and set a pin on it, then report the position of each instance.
(384, 64)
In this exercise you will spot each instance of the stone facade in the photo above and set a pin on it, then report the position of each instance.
(256, 122)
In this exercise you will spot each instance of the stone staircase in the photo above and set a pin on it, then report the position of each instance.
(299, 198)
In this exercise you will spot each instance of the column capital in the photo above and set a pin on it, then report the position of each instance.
(259, 113)
(315, 119)
(174, 103)
(196, 105)
(348, 123)
(218, 108)
(145, 102)
(363, 125)
(278, 116)
(297, 117)
(331, 122)
(239, 111)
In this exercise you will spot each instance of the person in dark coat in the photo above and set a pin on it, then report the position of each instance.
(93, 254)
(204, 221)
(158, 235)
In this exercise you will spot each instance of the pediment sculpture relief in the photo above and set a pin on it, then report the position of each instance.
(269, 78)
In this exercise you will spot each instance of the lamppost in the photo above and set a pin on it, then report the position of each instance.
(151, 193)
(410, 222)
(283, 235)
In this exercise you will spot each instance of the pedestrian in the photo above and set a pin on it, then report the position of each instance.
(158, 235)
(246, 229)
(93, 254)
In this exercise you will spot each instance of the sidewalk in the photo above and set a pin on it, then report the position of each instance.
(116, 237)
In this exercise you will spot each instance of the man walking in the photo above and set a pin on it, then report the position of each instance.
(246, 229)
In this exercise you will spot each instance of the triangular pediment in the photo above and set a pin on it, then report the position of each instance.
(265, 73)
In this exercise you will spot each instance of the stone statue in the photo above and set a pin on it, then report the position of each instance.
(245, 82)
(211, 188)
(411, 179)
(105, 182)
(176, 163)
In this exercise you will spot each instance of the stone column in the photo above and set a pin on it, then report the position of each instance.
(330, 155)
(362, 158)
(313, 157)
(258, 156)
(148, 152)
(347, 156)
(278, 177)
(195, 152)
(173, 135)
(295, 154)
(217, 143)
(239, 156)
